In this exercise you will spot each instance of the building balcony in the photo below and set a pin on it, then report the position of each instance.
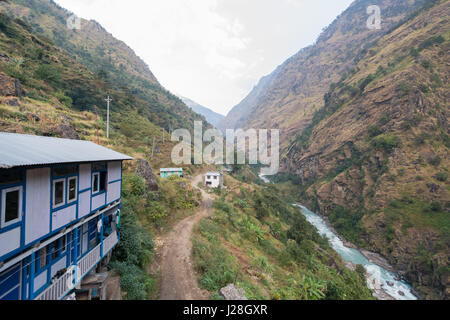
(74, 274)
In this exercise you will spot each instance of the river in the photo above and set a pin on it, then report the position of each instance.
(263, 178)
(382, 276)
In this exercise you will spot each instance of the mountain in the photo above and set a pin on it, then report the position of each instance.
(212, 117)
(288, 98)
(240, 113)
(364, 119)
(110, 61)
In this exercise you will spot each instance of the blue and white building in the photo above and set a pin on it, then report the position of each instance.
(168, 172)
(59, 213)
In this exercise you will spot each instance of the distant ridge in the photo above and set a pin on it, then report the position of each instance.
(212, 117)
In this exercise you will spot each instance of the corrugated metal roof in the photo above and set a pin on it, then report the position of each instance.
(25, 150)
(170, 169)
(213, 174)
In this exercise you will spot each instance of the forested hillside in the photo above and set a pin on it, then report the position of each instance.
(94, 64)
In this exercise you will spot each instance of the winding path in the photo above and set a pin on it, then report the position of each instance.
(178, 279)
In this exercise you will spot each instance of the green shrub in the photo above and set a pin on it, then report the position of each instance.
(435, 161)
(365, 82)
(216, 266)
(361, 271)
(374, 131)
(50, 74)
(414, 52)
(424, 88)
(436, 207)
(135, 281)
(386, 142)
(431, 41)
(65, 100)
(404, 88)
(347, 223)
(442, 176)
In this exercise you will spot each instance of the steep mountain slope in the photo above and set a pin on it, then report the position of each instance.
(240, 113)
(288, 98)
(375, 158)
(110, 60)
(212, 117)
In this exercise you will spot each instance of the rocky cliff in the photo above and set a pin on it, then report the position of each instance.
(375, 158)
(363, 116)
(288, 98)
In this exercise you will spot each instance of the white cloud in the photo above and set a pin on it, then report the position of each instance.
(212, 51)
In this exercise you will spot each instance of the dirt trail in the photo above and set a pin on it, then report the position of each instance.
(178, 279)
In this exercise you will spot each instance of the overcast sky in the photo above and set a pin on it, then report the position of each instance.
(212, 51)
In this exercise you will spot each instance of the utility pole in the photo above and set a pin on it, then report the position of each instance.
(164, 136)
(153, 147)
(108, 100)
(98, 136)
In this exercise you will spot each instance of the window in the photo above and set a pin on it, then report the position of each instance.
(72, 188)
(43, 257)
(215, 177)
(64, 244)
(55, 250)
(99, 182)
(103, 178)
(11, 210)
(59, 192)
(95, 182)
(99, 166)
(11, 176)
(67, 170)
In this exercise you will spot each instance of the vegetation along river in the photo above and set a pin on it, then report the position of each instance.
(388, 281)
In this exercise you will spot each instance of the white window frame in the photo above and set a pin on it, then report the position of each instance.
(63, 180)
(68, 190)
(98, 183)
(3, 223)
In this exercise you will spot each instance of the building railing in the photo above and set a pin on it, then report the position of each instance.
(63, 285)
(110, 242)
(57, 289)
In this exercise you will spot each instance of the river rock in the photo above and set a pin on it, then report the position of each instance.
(401, 293)
(232, 292)
(349, 245)
(145, 171)
(390, 284)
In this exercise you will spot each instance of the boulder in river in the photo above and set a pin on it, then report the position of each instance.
(401, 293)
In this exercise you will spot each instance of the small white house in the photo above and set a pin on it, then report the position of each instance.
(213, 180)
